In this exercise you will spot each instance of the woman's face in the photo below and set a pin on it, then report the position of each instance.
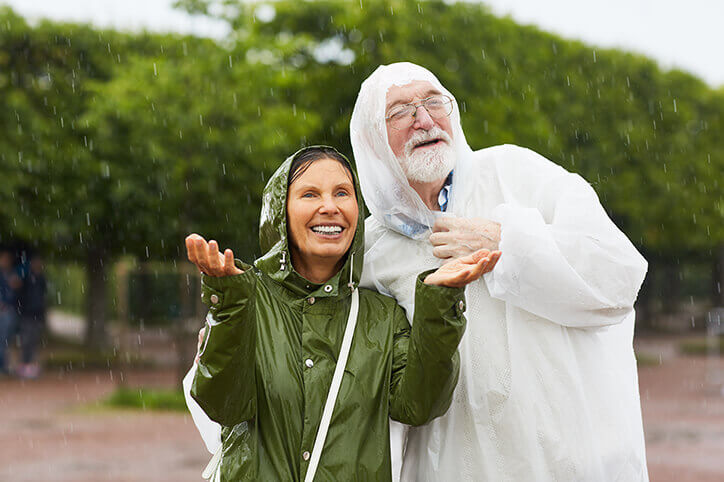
(322, 213)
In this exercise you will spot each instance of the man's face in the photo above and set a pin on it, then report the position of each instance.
(424, 149)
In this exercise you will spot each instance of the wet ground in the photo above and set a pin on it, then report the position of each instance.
(52, 430)
(683, 411)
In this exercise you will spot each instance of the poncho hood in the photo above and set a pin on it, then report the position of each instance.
(389, 197)
(274, 239)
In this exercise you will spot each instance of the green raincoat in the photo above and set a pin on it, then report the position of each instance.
(271, 346)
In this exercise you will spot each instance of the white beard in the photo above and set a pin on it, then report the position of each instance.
(429, 164)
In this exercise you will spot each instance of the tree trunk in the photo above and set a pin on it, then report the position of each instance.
(123, 347)
(96, 298)
(717, 293)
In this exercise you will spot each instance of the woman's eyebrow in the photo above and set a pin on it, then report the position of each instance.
(305, 187)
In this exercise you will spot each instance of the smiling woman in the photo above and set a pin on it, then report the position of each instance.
(322, 213)
(291, 353)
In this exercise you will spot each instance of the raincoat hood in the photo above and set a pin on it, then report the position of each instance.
(389, 197)
(274, 239)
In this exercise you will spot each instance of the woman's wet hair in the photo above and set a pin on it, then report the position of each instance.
(301, 163)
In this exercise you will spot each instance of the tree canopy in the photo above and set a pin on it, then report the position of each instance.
(119, 143)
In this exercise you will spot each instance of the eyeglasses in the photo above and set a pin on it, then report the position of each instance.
(403, 116)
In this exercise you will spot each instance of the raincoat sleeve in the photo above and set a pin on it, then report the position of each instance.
(425, 358)
(224, 383)
(563, 258)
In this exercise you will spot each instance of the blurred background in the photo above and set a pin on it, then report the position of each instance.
(126, 125)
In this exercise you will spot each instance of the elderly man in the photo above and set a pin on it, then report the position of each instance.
(548, 388)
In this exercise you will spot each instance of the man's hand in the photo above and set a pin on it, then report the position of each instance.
(207, 258)
(456, 237)
(461, 271)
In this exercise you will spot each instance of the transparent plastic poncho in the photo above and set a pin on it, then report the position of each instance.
(548, 388)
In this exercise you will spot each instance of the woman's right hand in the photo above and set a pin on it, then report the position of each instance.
(208, 259)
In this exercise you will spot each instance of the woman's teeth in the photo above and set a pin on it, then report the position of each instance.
(327, 229)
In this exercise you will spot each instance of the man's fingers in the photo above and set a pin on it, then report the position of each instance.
(443, 223)
(442, 252)
(439, 238)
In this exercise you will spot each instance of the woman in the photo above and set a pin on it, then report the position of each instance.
(275, 334)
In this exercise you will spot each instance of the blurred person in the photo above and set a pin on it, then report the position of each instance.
(548, 386)
(32, 311)
(10, 284)
(275, 345)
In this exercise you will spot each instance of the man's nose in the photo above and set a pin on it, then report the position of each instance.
(423, 119)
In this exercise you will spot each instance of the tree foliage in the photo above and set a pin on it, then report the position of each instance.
(118, 143)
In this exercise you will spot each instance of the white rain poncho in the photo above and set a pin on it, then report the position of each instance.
(548, 388)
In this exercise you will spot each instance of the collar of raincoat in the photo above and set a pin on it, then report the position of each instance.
(388, 195)
(274, 240)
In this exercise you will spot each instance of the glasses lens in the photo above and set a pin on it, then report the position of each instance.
(401, 117)
(439, 106)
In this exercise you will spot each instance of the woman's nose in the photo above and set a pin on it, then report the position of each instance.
(329, 205)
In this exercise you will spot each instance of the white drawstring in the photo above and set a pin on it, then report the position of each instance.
(351, 268)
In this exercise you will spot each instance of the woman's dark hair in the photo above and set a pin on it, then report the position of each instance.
(301, 163)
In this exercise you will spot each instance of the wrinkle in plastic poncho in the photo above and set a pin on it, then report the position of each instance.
(548, 388)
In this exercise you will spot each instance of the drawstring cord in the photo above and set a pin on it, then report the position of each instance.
(283, 262)
(351, 269)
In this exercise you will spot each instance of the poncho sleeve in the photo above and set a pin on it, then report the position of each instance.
(563, 258)
(426, 363)
(224, 383)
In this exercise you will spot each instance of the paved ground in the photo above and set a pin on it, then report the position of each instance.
(51, 429)
(683, 411)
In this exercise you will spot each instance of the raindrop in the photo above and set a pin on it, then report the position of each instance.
(155, 70)
(675, 106)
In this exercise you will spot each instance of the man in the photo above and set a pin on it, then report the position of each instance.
(9, 285)
(32, 311)
(548, 388)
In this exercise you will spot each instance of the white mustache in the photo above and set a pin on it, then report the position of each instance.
(421, 136)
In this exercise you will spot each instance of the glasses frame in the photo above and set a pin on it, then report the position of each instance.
(413, 115)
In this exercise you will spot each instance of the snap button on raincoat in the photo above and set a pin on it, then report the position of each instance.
(268, 357)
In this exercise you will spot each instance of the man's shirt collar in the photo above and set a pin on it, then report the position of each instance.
(444, 196)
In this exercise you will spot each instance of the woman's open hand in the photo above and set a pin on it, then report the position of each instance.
(461, 271)
(208, 259)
